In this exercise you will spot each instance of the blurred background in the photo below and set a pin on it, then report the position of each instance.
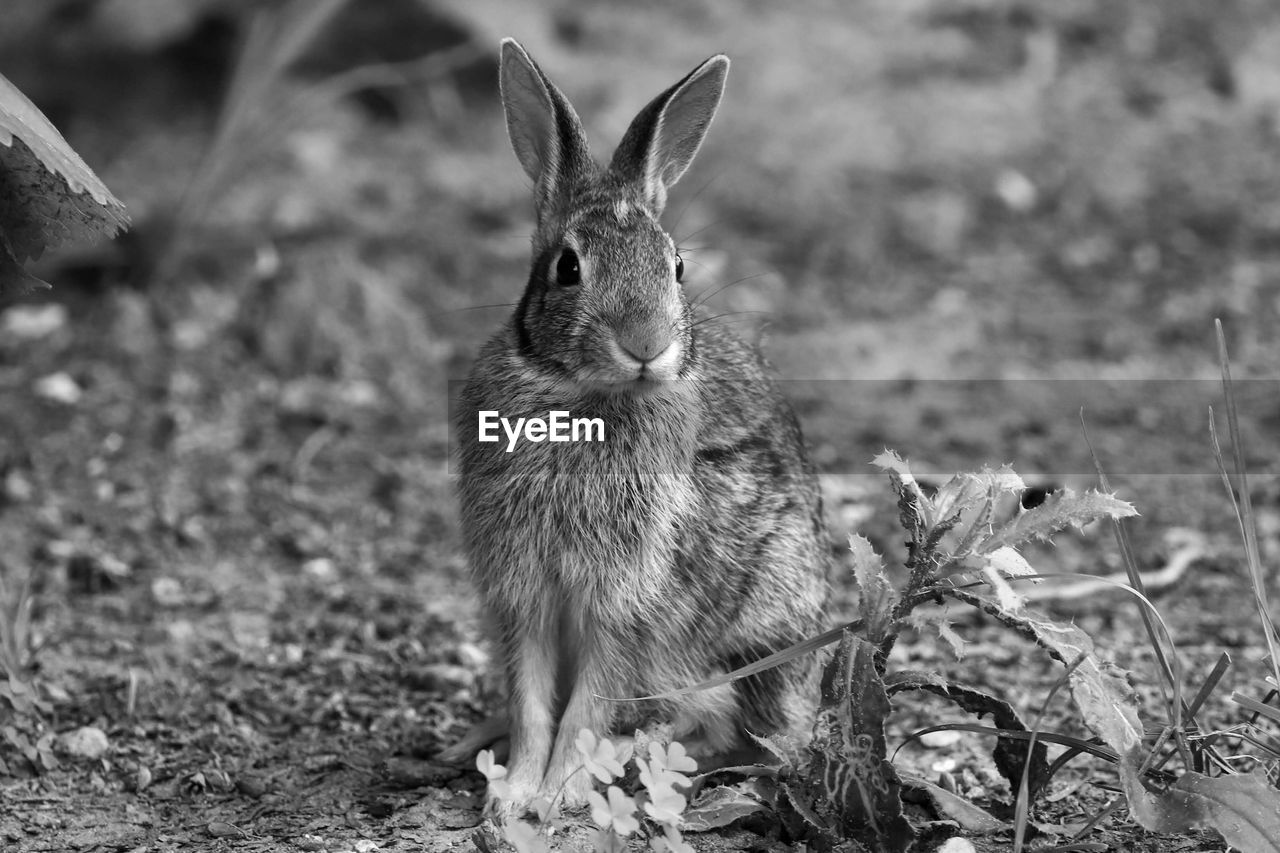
(906, 199)
(224, 438)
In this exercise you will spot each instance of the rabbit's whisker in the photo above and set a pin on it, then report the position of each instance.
(715, 317)
(479, 308)
(685, 208)
(702, 298)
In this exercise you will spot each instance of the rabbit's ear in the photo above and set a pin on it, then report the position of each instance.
(662, 139)
(545, 131)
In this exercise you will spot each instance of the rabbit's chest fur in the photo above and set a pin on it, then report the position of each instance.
(580, 524)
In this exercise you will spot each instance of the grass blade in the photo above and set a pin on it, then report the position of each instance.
(776, 659)
(1022, 806)
(1097, 750)
(1170, 667)
(1244, 506)
(1210, 683)
(1256, 707)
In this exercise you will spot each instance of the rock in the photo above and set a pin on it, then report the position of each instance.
(222, 829)
(167, 592)
(444, 678)
(251, 786)
(87, 742)
(320, 568)
(30, 322)
(471, 655)
(60, 388)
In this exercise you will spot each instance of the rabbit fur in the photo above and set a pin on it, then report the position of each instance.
(691, 540)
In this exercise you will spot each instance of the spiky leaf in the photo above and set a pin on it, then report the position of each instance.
(926, 621)
(889, 460)
(913, 505)
(718, 807)
(1009, 599)
(877, 597)
(1100, 690)
(47, 194)
(1243, 808)
(948, 634)
(788, 749)
(1060, 510)
(851, 784)
(972, 819)
(966, 491)
(1009, 562)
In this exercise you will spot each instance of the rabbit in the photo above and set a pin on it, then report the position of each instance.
(690, 541)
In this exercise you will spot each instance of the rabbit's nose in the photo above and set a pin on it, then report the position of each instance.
(645, 347)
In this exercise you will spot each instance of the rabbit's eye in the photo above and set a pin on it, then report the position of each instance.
(567, 270)
(679, 268)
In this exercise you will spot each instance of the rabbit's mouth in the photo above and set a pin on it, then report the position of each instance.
(639, 385)
(639, 382)
(630, 364)
(612, 367)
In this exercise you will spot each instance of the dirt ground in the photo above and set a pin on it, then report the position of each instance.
(952, 225)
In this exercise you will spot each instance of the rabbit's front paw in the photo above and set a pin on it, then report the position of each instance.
(576, 788)
(515, 798)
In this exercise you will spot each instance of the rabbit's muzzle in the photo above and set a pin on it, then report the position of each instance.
(647, 354)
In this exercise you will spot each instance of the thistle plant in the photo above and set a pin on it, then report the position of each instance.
(965, 542)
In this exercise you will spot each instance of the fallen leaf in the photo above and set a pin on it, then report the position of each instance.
(221, 829)
(412, 773)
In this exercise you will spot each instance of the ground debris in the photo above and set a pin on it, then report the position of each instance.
(413, 772)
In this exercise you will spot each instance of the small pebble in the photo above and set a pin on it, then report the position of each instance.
(60, 388)
(471, 655)
(445, 678)
(251, 786)
(943, 765)
(221, 829)
(30, 322)
(167, 592)
(85, 742)
(320, 568)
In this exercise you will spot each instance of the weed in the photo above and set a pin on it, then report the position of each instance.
(21, 707)
(17, 648)
(964, 542)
